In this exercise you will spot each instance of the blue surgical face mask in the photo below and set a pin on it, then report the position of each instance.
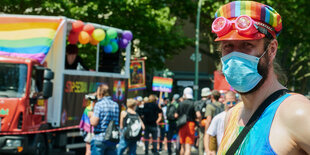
(240, 70)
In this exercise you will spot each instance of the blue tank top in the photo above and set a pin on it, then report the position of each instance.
(256, 141)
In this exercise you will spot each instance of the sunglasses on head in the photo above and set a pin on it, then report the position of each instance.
(244, 24)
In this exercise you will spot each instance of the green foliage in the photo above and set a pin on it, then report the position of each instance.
(151, 22)
(294, 42)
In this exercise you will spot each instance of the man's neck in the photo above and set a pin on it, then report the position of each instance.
(253, 100)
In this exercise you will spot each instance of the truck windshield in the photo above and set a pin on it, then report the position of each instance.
(13, 79)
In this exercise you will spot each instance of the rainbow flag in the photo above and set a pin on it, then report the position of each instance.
(162, 84)
(85, 121)
(28, 36)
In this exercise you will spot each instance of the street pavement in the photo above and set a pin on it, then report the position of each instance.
(140, 150)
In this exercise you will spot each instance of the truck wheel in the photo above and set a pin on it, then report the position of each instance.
(40, 145)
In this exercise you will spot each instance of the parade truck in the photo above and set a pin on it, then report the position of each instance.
(41, 102)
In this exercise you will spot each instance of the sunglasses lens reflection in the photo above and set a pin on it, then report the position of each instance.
(232, 102)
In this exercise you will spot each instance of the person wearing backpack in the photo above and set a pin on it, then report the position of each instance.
(186, 115)
(105, 111)
(214, 108)
(171, 110)
(152, 117)
(131, 127)
(201, 106)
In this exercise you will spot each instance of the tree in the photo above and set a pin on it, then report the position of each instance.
(151, 22)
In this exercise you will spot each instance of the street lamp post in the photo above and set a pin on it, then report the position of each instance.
(196, 87)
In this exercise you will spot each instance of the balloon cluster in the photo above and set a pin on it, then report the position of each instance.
(88, 34)
(85, 33)
(112, 42)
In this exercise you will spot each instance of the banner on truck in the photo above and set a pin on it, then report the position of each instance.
(75, 89)
(119, 90)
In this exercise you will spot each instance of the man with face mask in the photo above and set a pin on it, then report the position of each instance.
(248, 32)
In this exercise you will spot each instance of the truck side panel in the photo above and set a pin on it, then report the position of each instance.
(56, 61)
(75, 89)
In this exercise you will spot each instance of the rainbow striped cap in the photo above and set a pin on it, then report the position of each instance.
(255, 10)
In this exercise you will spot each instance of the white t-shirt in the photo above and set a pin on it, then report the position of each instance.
(216, 127)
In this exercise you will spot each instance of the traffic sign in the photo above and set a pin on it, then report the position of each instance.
(193, 57)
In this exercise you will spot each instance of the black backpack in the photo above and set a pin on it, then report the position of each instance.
(202, 106)
(171, 109)
(133, 127)
(218, 109)
(112, 132)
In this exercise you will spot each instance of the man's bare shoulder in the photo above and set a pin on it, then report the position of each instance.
(296, 106)
(294, 115)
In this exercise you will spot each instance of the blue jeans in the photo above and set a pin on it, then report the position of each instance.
(123, 144)
(153, 131)
(99, 148)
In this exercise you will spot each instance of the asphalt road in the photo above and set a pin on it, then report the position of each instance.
(140, 150)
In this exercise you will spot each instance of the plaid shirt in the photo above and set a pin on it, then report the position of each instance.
(106, 110)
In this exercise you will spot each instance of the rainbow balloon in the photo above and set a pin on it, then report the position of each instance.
(27, 36)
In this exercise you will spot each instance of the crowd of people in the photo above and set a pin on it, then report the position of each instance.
(157, 121)
(268, 120)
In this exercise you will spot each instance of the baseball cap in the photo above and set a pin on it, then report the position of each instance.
(176, 96)
(265, 16)
(205, 92)
(188, 93)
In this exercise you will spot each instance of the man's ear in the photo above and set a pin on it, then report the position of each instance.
(272, 51)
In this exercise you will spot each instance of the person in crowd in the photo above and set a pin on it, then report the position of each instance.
(215, 131)
(187, 131)
(73, 61)
(171, 110)
(145, 99)
(152, 117)
(214, 108)
(86, 129)
(201, 107)
(105, 110)
(140, 105)
(130, 113)
(163, 127)
(282, 125)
